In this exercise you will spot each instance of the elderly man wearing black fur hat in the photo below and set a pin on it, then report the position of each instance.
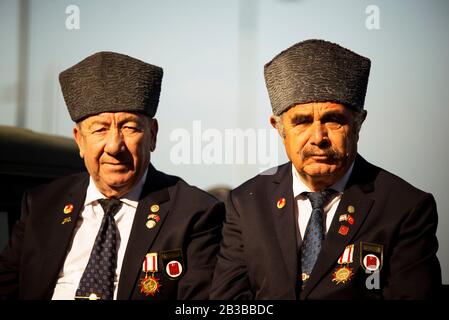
(328, 224)
(124, 230)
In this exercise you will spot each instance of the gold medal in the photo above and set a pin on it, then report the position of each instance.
(342, 274)
(149, 285)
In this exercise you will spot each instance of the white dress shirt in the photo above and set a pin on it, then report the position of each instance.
(84, 236)
(303, 207)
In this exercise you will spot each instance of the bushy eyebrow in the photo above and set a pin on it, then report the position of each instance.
(327, 116)
(333, 115)
(107, 123)
(300, 118)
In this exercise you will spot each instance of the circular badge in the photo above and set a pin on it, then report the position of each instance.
(173, 269)
(151, 224)
(371, 262)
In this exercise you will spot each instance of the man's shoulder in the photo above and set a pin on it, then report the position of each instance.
(262, 180)
(181, 190)
(387, 182)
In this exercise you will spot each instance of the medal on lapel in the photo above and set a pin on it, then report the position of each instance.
(371, 256)
(149, 285)
(68, 209)
(173, 263)
(343, 273)
(348, 218)
(281, 203)
(153, 219)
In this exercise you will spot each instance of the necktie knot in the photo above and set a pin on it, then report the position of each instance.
(321, 198)
(110, 206)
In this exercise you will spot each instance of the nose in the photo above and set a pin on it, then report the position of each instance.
(318, 136)
(115, 143)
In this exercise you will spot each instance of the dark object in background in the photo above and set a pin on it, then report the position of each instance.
(28, 159)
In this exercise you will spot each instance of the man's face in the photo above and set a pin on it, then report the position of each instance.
(116, 149)
(321, 141)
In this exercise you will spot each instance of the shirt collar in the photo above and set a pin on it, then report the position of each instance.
(131, 198)
(300, 187)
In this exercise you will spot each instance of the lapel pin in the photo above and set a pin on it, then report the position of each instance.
(68, 219)
(350, 219)
(343, 230)
(154, 208)
(68, 208)
(153, 219)
(351, 209)
(173, 263)
(281, 203)
(343, 217)
(371, 256)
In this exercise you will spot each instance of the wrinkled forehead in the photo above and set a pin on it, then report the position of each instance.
(114, 117)
(318, 107)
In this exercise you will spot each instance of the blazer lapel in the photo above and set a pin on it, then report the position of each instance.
(60, 232)
(284, 219)
(335, 243)
(155, 191)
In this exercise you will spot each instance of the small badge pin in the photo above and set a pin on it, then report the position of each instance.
(153, 219)
(343, 230)
(66, 220)
(281, 203)
(154, 208)
(351, 209)
(68, 208)
(371, 256)
(350, 219)
(173, 263)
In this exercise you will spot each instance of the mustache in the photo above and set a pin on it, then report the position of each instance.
(332, 154)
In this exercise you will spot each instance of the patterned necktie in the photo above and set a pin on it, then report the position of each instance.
(97, 281)
(314, 235)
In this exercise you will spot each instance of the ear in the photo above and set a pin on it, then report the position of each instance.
(279, 128)
(365, 113)
(154, 128)
(273, 122)
(79, 139)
